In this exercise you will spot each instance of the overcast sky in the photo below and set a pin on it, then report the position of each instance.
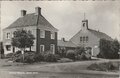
(66, 16)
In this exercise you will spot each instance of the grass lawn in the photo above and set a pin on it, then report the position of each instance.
(51, 67)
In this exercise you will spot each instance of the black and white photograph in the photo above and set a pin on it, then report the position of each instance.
(60, 39)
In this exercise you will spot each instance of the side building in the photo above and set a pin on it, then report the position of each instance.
(87, 37)
(45, 34)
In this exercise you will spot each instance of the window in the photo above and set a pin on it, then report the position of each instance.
(52, 48)
(42, 48)
(83, 39)
(52, 35)
(12, 34)
(8, 36)
(80, 39)
(42, 34)
(8, 47)
(83, 24)
(87, 39)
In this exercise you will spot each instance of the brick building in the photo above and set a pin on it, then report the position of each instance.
(87, 37)
(45, 34)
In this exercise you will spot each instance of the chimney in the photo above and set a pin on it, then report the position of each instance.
(63, 39)
(37, 10)
(23, 13)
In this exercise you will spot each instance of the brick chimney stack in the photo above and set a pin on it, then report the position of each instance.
(23, 12)
(37, 10)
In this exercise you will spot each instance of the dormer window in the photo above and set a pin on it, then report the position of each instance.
(42, 34)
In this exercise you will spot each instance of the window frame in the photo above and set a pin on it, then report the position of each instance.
(43, 34)
(43, 48)
(81, 39)
(52, 45)
(87, 39)
(8, 47)
(8, 35)
(52, 35)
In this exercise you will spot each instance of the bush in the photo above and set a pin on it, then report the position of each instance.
(28, 57)
(85, 56)
(70, 54)
(107, 66)
(9, 55)
(49, 57)
(80, 50)
(18, 57)
(38, 57)
(78, 57)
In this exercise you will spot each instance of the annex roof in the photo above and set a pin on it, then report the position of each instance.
(66, 43)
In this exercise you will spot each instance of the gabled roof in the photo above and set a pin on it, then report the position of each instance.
(32, 20)
(100, 34)
(66, 43)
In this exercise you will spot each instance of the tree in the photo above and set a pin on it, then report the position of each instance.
(109, 49)
(22, 39)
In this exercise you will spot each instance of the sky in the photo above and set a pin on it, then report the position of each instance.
(66, 16)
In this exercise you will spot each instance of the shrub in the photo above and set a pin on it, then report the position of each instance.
(49, 57)
(78, 57)
(18, 52)
(18, 57)
(85, 56)
(38, 57)
(9, 55)
(80, 50)
(106, 66)
(28, 57)
(70, 54)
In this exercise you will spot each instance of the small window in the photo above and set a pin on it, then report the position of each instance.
(83, 24)
(8, 47)
(52, 35)
(83, 39)
(80, 39)
(87, 39)
(52, 48)
(42, 34)
(8, 36)
(42, 48)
